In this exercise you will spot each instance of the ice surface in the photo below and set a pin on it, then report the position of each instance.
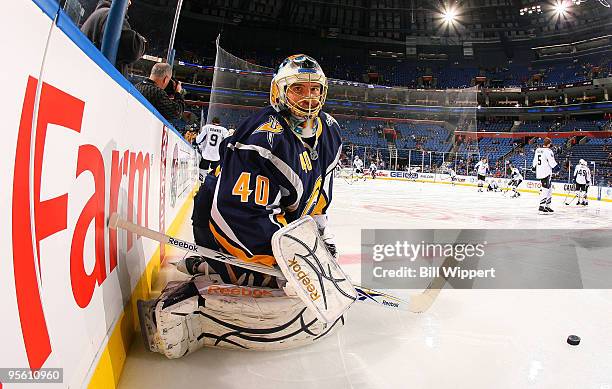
(468, 339)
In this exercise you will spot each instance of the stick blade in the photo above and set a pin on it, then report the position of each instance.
(422, 302)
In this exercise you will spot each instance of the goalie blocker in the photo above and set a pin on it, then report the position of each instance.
(311, 270)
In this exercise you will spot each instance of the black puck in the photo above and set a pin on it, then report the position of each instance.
(573, 340)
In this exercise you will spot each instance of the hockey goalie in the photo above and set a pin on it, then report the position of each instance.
(274, 171)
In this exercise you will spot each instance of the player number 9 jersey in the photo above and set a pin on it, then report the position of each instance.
(209, 140)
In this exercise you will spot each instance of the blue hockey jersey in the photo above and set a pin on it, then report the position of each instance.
(269, 178)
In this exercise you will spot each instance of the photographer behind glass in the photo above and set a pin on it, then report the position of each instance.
(163, 92)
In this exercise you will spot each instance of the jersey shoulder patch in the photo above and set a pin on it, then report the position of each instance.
(329, 119)
(272, 125)
(268, 130)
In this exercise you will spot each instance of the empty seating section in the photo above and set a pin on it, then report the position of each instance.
(429, 137)
(598, 154)
(408, 73)
(427, 143)
(580, 125)
(495, 148)
(536, 126)
(494, 126)
(362, 132)
(455, 77)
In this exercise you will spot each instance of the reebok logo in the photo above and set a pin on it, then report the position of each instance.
(304, 279)
(238, 291)
(183, 244)
(390, 304)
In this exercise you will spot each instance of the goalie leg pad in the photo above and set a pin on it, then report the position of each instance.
(203, 312)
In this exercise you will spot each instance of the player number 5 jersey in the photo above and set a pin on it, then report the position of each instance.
(544, 162)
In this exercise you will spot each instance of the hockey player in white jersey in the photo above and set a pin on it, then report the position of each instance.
(515, 180)
(582, 179)
(493, 187)
(482, 167)
(453, 175)
(373, 169)
(543, 165)
(208, 140)
(358, 166)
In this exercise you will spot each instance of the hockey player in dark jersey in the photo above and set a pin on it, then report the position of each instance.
(277, 167)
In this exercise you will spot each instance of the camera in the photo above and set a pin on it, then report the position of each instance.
(171, 87)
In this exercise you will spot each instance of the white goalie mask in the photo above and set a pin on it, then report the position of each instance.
(582, 162)
(292, 73)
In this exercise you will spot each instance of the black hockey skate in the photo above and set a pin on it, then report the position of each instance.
(549, 210)
(543, 210)
(190, 265)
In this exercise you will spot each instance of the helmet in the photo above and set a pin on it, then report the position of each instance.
(356, 157)
(582, 162)
(297, 69)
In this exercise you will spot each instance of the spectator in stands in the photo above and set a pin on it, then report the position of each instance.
(131, 44)
(154, 89)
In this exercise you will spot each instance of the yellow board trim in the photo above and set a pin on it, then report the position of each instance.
(112, 359)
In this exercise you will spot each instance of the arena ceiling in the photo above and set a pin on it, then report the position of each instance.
(401, 20)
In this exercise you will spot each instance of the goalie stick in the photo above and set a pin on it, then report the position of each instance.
(417, 304)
